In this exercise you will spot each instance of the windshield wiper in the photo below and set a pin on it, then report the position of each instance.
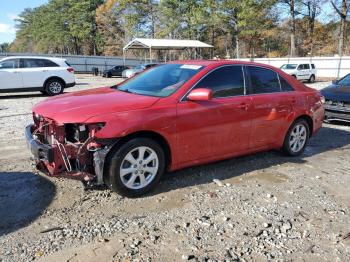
(127, 91)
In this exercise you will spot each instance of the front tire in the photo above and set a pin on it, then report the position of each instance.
(54, 87)
(296, 138)
(135, 168)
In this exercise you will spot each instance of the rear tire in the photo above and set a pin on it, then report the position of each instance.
(296, 138)
(312, 79)
(54, 87)
(135, 168)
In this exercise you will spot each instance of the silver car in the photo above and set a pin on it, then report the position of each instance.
(133, 71)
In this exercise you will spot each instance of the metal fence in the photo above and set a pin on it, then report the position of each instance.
(332, 67)
(84, 64)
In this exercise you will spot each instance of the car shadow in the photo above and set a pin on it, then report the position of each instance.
(17, 96)
(24, 196)
(32, 95)
(327, 139)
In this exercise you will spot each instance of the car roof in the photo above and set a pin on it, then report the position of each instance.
(215, 63)
(34, 57)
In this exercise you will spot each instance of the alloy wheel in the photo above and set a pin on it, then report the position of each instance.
(298, 138)
(55, 87)
(139, 167)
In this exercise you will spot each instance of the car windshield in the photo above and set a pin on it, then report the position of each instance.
(160, 81)
(289, 66)
(345, 81)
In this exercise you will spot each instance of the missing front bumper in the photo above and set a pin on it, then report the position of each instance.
(49, 160)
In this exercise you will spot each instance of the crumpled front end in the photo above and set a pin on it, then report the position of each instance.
(68, 150)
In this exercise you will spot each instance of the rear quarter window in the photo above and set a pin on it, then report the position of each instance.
(285, 86)
(313, 66)
(263, 80)
(49, 63)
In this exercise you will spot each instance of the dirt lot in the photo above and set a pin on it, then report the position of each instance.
(263, 207)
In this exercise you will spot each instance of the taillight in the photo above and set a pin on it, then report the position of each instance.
(70, 69)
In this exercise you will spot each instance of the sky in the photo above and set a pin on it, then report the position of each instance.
(9, 10)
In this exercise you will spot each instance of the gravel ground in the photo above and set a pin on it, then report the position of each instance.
(260, 207)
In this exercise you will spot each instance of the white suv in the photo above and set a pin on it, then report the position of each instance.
(301, 71)
(46, 74)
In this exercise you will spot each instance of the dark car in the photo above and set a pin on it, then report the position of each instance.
(337, 100)
(115, 71)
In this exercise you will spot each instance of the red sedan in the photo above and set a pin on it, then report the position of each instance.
(172, 116)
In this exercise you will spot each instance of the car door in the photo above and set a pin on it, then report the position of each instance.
(307, 71)
(270, 106)
(118, 70)
(218, 127)
(34, 72)
(10, 78)
(303, 72)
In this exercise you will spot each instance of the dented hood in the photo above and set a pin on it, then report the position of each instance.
(78, 107)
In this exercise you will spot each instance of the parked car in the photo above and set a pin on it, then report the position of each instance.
(115, 71)
(48, 75)
(170, 117)
(337, 96)
(301, 71)
(133, 71)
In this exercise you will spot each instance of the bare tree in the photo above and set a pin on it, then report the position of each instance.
(291, 4)
(312, 10)
(342, 12)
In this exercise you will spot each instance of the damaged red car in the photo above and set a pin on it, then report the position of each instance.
(170, 117)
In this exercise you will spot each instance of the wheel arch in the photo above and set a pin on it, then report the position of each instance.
(54, 77)
(308, 120)
(147, 134)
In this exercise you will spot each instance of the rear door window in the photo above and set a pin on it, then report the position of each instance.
(31, 63)
(225, 81)
(306, 66)
(263, 80)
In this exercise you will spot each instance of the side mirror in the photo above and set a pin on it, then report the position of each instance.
(334, 81)
(200, 94)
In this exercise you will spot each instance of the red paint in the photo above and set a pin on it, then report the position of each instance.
(196, 131)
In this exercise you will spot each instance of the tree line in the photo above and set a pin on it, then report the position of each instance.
(248, 28)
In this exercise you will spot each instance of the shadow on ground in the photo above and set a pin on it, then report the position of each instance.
(24, 196)
(327, 139)
(20, 95)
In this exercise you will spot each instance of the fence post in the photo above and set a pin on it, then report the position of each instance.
(339, 65)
